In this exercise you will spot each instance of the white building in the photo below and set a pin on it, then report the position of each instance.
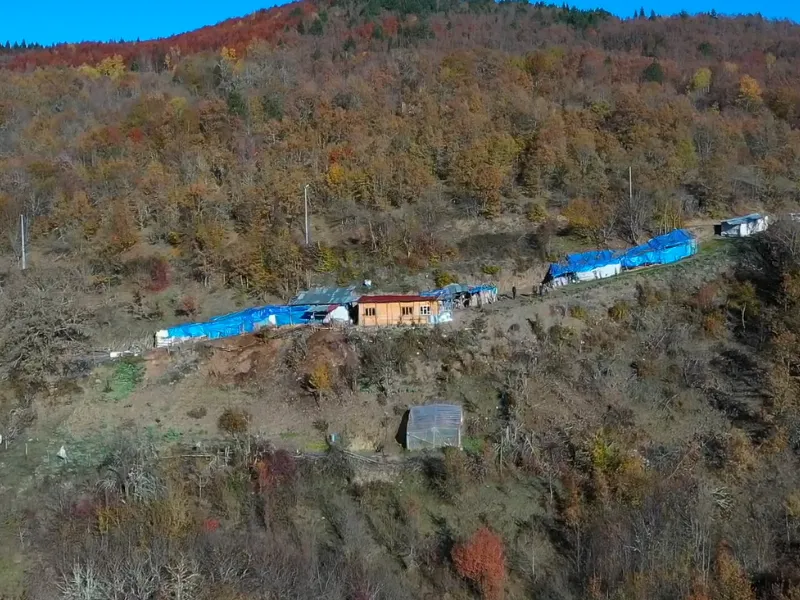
(743, 226)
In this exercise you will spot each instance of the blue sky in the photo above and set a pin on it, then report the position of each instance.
(51, 21)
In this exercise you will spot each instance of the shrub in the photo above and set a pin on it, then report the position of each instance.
(159, 274)
(481, 560)
(275, 470)
(536, 213)
(197, 413)
(126, 376)
(210, 525)
(740, 451)
(647, 296)
(326, 260)
(491, 269)
(320, 381)
(234, 421)
(705, 298)
(578, 312)
(714, 323)
(620, 311)
(443, 278)
(188, 306)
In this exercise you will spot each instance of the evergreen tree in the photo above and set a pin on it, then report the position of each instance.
(653, 73)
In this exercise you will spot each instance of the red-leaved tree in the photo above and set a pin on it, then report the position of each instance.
(481, 560)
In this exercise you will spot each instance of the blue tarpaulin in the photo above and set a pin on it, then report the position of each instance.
(477, 289)
(584, 261)
(664, 249)
(246, 321)
(447, 292)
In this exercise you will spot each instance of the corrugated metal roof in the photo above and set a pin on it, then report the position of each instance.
(325, 296)
(386, 299)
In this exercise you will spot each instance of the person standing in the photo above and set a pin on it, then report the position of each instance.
(514, 292)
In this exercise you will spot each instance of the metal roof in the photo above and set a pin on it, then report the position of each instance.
(387, 299)
(745, 219)
(325, 296)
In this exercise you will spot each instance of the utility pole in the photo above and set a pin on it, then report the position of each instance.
(305, 194)
(630, 184)
(22, 237)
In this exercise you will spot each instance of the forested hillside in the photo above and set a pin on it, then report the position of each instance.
(204, 142)
(634, 439)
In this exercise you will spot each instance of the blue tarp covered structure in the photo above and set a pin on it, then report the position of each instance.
(664, 249)
(457, 295)
(449, 292)
(246, 321)
(584, 261)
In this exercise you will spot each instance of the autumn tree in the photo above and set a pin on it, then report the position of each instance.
(481, 560)
(749, 93)
(595, 220)
(731, 582)
(484, 169)
(701, 80)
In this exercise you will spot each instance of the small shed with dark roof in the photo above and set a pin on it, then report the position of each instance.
(398, 309)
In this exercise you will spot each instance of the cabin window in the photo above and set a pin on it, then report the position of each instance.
(369, 312)
(424, 310)
(407, 310)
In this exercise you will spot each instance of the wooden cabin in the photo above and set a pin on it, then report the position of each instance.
(374, 311)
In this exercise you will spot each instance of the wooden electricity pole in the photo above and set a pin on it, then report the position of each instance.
(22, 238)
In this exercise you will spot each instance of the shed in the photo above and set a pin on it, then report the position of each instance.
(743, 226)
(434, 426)
(397, 310)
